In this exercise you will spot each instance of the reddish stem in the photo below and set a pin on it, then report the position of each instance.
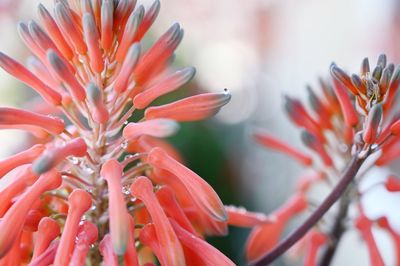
(289, 241)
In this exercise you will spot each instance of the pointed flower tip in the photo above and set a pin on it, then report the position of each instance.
(193, 108)
(371, 127)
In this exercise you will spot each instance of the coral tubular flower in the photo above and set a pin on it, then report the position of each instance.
(106, 250)
(190, 109)
(364, 226)
(205, 196)
(208, 253)
(243, 218)
(93, 70)
(79, 202)
(11, 117)
(23, 74)
(274, 143)
(48, 230)
(13, 221)
(24, 157)
(166, 85)
(170, 246)
(316, 241)
(112, 172)
(263, 237)
(87, 235)
(159, 128)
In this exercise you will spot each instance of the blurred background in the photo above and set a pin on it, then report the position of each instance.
(259, 50)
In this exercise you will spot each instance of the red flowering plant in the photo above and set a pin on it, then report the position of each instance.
(94, 188)
(352, 124)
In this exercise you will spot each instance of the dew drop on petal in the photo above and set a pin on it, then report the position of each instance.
(124, 145)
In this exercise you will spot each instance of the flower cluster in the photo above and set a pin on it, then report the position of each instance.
(352, 118)
(92, 187)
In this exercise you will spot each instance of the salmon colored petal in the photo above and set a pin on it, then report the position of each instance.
(48, 230)
(111, 171)
(131, 256)
(92, 41)
(13, 116)
(47, 257)
(156, 57)
(14, 219)
(164, 86)
(364, 226)
(170, 246)
(208, 253)
(79, 202)
(239, 216)
(193, 108)
(203, 194)
(95, 97)
(106, 250)
(20, 72)
(87, 235)
(148, 237)
(276, 144)
(159, 128)
(130, 61)
(167, 200)
(24, 157)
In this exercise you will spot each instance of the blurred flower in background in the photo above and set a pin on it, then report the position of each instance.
(259, 49)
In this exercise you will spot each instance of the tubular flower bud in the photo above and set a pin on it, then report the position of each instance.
(87, 235)
(92, 40)
(243, 218)
(208, 253)
(69, 29)
(24, 75)
(63, 73)
(193, 108)
(48, 230)
(54, 32)
(131, 59)
(52, 157)
(316, 241)
(371, 128)
(47, 257)
(12, 222)
(172, 252)
(364, 226)
(167, 200)
(12, 117)
(272, 142)
(112, 173)
(106, 250)
(263, 237)
(340, 75)
(166, 85)
(313, 143)
(95, 97)
(203, 195)
(79, 202)
(24, 157)
(159, 128)
(348, 111)
(129, 33)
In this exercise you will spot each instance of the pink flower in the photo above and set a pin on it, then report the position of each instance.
(91, 72)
